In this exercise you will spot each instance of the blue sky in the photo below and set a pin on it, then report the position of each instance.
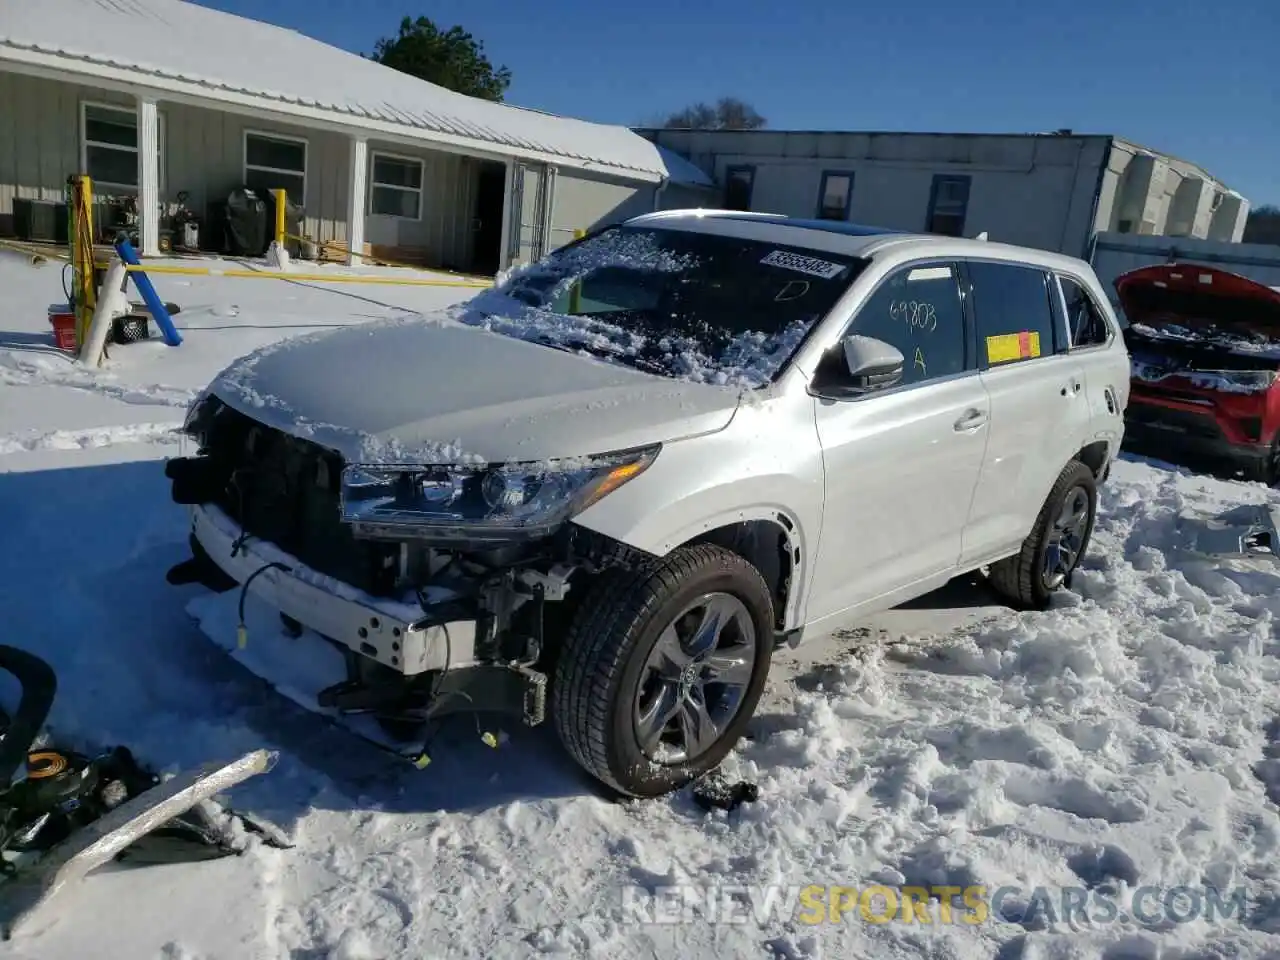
(1199, 81)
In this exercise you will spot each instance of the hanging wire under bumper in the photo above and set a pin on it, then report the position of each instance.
(395, 635)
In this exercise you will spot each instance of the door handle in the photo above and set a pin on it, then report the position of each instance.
(1072, 388)
(971, 420)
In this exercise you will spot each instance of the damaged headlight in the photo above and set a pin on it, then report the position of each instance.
(497, 502)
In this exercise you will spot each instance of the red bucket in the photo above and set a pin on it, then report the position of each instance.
(63, 321)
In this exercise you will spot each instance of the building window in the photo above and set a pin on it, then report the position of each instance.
(275, 162)
(738, 182)
(948, 204)
(109, 142)
(834, 195)
(395, 187)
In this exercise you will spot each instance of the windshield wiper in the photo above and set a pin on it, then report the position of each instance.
(571, 346)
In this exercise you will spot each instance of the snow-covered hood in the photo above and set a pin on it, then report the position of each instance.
(428, 390)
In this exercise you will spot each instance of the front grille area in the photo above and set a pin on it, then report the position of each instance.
(285, 491)
(1181, 421)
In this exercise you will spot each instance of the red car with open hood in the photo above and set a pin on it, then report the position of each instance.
(1205, 351)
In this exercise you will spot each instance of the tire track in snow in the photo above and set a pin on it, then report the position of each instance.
(49, 371)
(161, 433)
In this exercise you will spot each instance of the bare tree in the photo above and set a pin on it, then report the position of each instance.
(728, 113)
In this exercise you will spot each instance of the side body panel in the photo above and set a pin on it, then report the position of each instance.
(765, 465)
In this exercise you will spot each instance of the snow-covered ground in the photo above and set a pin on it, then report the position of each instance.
(1123, 741)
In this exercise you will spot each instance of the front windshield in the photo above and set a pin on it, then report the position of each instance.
(686, 305)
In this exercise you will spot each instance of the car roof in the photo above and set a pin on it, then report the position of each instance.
(851, 239)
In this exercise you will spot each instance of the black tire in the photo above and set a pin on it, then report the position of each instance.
(1021, 578)
(602, 662)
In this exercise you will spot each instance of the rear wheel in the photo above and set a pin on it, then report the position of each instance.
(662, 669)
(1056, 545)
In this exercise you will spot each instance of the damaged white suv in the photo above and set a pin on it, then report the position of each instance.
(632, 470)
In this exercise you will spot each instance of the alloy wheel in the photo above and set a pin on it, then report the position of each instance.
(694, 679)
(1066, 538)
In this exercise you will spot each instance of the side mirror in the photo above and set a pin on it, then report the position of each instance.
(872, 364)
(859, 365)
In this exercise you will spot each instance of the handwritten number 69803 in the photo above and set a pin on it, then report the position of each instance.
(916, 314)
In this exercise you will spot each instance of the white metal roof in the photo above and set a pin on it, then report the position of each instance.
(182, 48)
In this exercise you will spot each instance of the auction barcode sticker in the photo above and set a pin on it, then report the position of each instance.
(801, 264)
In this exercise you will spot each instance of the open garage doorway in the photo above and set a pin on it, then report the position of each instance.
(490, 201)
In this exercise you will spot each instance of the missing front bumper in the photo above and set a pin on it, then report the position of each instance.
(399, 636)
(365, 659)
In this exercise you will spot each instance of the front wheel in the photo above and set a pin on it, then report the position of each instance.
(662, 669)
(1056, 544)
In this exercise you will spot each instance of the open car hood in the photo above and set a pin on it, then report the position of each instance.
(1190, 305)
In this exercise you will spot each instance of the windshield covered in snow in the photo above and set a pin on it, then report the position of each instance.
(687, 305)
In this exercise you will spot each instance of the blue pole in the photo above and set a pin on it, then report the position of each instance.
(149, 296)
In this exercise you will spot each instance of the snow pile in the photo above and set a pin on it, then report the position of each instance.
(1120, 745)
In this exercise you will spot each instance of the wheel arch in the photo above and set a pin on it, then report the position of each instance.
(1095, 456)
(770, 508)
(768, 541)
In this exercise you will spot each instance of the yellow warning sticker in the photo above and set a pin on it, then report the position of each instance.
(1006, 347)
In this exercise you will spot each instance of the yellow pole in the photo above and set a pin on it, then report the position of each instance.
(82, 244)
(281, 198)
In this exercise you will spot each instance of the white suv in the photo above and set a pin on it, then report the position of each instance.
(635, 468)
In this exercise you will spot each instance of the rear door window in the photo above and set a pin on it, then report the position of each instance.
(1015, 320)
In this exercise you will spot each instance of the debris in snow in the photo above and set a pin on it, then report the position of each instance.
(1241, 532)
(715, 791)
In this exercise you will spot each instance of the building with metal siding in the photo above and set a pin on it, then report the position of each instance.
(1051, 191)
(151, 98)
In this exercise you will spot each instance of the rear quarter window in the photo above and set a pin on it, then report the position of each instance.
(1086, 323)
(1013, 312)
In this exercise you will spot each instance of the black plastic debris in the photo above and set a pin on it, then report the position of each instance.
(716, 792)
